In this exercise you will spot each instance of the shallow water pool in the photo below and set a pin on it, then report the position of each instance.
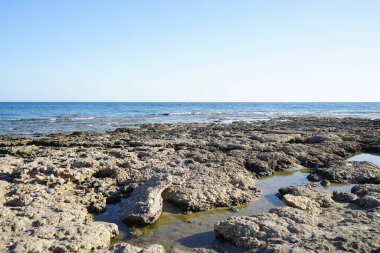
(373, 158)
(175, 230)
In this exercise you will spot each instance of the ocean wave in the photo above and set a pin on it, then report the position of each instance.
(74, 118)
(41, 119)
(52, 119)
(179, 113)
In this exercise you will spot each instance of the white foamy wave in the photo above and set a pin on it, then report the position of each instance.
(83, 118)
(74, 118)
(181, 113)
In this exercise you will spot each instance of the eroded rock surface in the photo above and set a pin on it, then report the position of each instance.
(369, 195)
(144, 206)
(311, 192)
(229, 187)
(350, 172)
(50, 184)
(38, 221)
(299, 228)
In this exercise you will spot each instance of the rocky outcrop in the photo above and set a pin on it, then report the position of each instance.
(344, 197)
(303, 203)
(144, 206)
(40, 221)
(78, 238)
(309, 191)
(205, 188)
(257, 232)
(52, 182)
(319, 138)
(299, 229)
(350, 172)
(266, 163)
(368, 194)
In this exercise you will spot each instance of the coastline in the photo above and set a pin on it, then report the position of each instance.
(50, 185)
(26, 119)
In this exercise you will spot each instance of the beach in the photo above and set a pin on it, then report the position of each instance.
(57, 189)
(189, 126)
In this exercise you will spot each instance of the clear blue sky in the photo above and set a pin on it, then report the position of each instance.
(190, 50)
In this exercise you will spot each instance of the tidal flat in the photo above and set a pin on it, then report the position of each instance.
(311, 184)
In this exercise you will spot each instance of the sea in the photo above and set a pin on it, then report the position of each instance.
(33, 118)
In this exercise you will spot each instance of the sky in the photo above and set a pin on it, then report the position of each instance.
(190, 50)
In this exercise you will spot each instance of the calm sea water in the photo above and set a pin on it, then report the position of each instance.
(30, 118)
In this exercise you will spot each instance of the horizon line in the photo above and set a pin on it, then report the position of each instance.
(189, 101)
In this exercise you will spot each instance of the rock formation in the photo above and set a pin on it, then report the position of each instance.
(144, 206)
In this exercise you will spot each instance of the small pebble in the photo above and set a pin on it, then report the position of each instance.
(50, 190)
(61, 181)
(325, 183)
(313, 177)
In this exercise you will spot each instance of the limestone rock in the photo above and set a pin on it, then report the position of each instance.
(212, 165)
(145, 203)
(369, 195)
(207, 187)
(344, 197)
(311, 191)
(303, 203)
(322, 138)
(339, 228)
(350, 172)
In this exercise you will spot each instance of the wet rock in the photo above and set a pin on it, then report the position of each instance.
(234, 209)
(128, 189)
(97, 206)
(256, 232)
(296, 229)
(350, 172)
(145, 203)
(313, 177)
(311, 191)
(344, 197)
(325, 182)
(265, 163)
(114, 198)
(369, 195)
(260, 168)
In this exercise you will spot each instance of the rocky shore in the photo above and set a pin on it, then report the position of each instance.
(51, 184)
